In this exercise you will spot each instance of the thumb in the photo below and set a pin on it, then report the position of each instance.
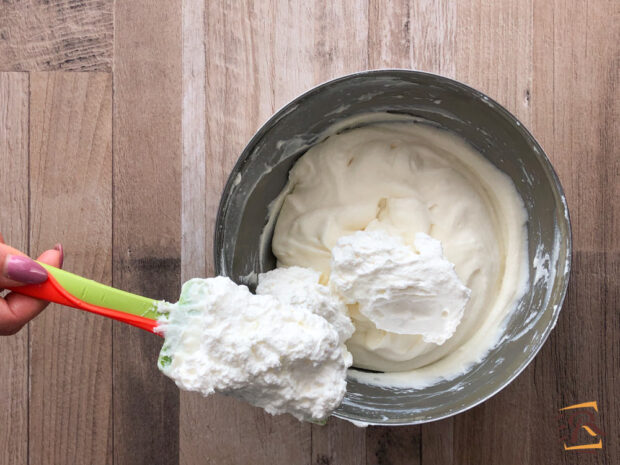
(17, 269)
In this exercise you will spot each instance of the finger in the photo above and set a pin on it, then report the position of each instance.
(9, 322)
(1, 242)
(17, 269)
(53, 257)
(16, 310)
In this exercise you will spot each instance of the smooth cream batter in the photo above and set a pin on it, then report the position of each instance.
(406, 178)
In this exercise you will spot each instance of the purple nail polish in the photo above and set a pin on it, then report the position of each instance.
(62, 253)
(25, 270)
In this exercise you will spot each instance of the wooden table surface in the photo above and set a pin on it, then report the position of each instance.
(119, 123)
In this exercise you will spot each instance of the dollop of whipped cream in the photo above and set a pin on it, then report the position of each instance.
(299, 287)
(282, 350)
(401, 290)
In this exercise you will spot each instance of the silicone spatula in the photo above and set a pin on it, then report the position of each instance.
(78, 292)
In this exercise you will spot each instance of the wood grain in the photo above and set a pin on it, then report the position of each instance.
(338, 442)
(500, 68)
(147, 219)
(437, 439)
(193, 188)
(14, 219)
(575, 116)
(337, 50)
(585, 108)
(432, 31)
(192, 421)
(393, 445)
(389, 26)
(70, 35)
(71, 202)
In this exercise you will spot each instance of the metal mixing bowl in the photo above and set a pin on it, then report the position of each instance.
(262, 170)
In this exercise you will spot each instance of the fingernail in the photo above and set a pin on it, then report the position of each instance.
(62, 253)
(25, 270)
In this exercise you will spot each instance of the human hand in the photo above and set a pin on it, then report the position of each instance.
(17, 269)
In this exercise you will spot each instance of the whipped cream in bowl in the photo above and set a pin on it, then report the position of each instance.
(401, 290)
(422, 208)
